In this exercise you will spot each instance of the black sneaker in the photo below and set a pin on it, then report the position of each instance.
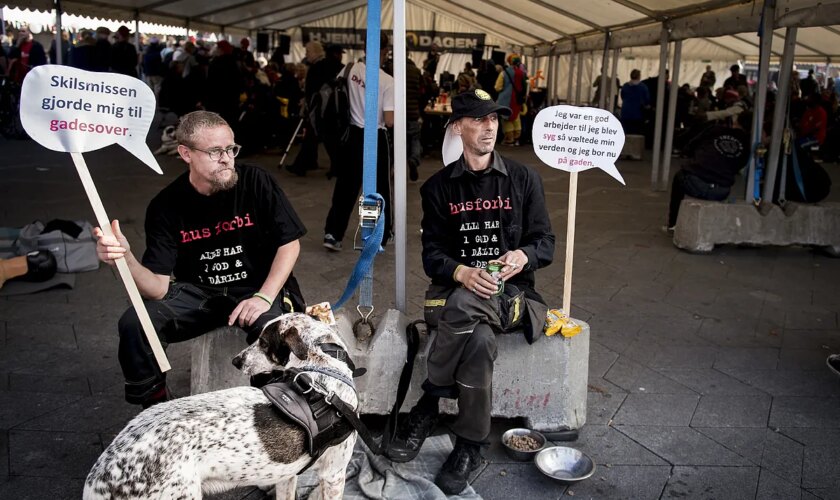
(332, 244)
(412, 431)
(463, 461)
(833, 363)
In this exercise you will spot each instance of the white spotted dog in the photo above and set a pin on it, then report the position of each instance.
(213, 442)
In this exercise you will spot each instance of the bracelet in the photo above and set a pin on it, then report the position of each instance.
(264, 297)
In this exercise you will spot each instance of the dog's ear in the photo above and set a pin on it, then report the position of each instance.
(293, 339)
(277, 349)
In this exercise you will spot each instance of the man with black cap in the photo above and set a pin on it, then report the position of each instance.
(123, 54)
(481, 207)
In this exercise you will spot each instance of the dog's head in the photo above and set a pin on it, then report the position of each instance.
(168, 134)
(289, 341)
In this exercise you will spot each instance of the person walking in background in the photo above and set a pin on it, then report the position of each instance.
(512, 86)
(636, 99)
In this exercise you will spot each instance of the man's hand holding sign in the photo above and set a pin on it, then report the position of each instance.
(74, 111)
(575, 139)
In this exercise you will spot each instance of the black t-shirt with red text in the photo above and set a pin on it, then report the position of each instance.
(225, 240)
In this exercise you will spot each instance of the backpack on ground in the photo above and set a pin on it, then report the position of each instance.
(329, 110)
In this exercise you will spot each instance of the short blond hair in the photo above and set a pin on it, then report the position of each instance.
(192, 123)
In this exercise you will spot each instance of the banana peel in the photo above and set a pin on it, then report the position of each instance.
(557, 321)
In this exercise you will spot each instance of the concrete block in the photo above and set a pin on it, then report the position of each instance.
(546, 383)
(634, 147)
(703, 224)
(211, 364)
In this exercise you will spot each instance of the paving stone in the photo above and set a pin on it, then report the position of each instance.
(813, 437)
(805, 412)
(709, 381)
(772, 487)
(53, 454)
(684, 358)
(712, 482)
(821, 468)
(783, 456)
(20, 382)
(623, 482)
(657, 409)
(89, 414)
(19, 407)
(811, 339)
(732, 411)
(738, 332)
(607, 446)
(4, 381)
(823, 493)
(39, 488)
(600, 359)
(637, 378)
(811, 318)
(4, 453)
(788, 382)
(754, 358)
(602, 401)
(803, 359)
(682, 445)
(33, 335)
(504, 481)
(749, 443)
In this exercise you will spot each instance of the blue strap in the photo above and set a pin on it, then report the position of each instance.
(371, 233)
(797, 173)
(759, 172)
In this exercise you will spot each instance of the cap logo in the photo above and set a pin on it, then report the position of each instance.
(484, 96)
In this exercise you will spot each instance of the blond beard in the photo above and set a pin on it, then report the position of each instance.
(218, 185)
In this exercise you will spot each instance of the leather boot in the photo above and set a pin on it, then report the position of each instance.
(412, 432)
(455, 473)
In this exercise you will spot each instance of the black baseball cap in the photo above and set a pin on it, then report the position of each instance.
(475, 104)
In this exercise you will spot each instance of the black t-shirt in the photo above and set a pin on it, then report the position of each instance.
(471, 218)
(226, 240)
(718, 154)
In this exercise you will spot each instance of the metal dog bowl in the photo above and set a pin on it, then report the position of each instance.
(564, 464)
(516, 453)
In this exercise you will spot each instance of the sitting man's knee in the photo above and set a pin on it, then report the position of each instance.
(129, 323)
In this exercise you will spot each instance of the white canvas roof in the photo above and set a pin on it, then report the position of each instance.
(716, 27)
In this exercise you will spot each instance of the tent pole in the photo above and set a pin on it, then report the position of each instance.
(400, 152)
(59, 51)
(672, 117)
(779, 118)
(604, 86)
(767, 22)
(611, 97)
(570, 87)
(549, 80)
(579, 78)
(137, 30)
(660, 104)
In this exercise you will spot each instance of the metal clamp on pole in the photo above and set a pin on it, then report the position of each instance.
(369, 212)
(363, 328)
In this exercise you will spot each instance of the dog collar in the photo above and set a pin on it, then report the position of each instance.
(339, 353)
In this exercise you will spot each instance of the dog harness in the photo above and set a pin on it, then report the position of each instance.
(307, 403)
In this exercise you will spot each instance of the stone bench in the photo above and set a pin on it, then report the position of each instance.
(703, 224)
(634, 147)
(546, 383)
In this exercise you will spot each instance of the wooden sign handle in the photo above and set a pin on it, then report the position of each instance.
(570, 244)
(122, 265)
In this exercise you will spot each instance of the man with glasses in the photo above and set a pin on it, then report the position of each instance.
(221, 243)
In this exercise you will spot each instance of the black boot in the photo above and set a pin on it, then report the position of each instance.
(464, 460)
(414, 429)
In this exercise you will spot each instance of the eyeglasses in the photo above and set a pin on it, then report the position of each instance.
(215, 154)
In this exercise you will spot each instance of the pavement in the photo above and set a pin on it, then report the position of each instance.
(707, 376)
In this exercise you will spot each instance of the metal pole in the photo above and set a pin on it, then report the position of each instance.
(660, 103)
(779, 118)
(137, 30)
(761, 96)
(59, 52)
(571, 75)
(613, 88)
(400, 148)
(579, 76)
(672, 117)
(605, 84)
(549, 79)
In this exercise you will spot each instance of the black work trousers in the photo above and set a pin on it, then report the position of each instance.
(186, 312)
(348, 184)
(688, 184)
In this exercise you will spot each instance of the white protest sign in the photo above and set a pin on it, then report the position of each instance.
(75, 111)
(575, 139)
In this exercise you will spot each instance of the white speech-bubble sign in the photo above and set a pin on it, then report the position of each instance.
(575, 139)
(75, 111)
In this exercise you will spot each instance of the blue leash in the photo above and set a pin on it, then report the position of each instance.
(372, 205)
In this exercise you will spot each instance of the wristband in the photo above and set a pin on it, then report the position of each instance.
(264, 297)
(455, 274)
